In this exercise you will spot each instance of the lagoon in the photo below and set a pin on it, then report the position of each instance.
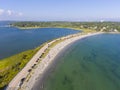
(14, 40)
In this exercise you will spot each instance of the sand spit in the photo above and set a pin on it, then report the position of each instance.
(35, 68)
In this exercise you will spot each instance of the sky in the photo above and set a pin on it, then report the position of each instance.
(60, 10)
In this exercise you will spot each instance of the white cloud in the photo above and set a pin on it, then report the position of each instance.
(20, 14)
(1, 11)
(10, 13)
(13, 13)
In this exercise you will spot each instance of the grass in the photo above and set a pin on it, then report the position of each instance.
(10, 66)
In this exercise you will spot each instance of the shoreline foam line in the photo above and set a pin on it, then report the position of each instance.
(21, 81)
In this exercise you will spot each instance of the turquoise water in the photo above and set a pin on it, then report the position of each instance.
(89, 64)
(13, 40)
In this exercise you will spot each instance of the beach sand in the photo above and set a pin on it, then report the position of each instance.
(29, 79)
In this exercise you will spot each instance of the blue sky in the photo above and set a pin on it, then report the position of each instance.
(60, 10)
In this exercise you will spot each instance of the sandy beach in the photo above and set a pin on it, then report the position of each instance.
(27, 77)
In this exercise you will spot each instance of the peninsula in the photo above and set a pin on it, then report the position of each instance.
(26, 78)
(11, 68)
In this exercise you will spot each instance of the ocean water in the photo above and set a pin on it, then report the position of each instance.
(14, 40)
(92, 63)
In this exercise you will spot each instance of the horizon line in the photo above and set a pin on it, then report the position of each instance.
(59, 21)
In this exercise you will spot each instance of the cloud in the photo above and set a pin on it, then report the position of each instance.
(13, 13)
(10, 13)
(20, 14)
(1, 11)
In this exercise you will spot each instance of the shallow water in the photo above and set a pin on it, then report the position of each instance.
(89, 64)
(13, 40)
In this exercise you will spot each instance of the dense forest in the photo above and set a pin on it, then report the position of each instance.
(97, 26)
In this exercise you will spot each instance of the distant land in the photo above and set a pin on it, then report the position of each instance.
(87, 26)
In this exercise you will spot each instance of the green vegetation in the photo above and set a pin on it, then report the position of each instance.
(85, 26)
(51, 46)
(10, 66)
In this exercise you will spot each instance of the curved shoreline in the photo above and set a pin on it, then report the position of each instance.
(26, 79)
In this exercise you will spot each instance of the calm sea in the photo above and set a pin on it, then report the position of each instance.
(92, 63)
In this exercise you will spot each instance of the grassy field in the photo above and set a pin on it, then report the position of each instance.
(10, 66)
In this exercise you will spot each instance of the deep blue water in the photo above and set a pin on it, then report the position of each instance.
(14, 40)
